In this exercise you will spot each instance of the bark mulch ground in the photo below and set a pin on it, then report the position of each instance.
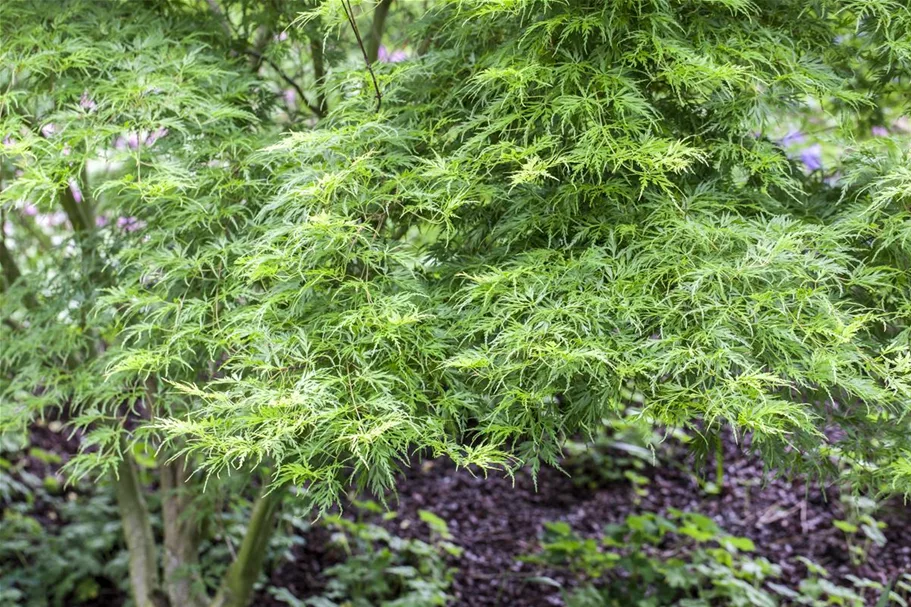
(497, 519)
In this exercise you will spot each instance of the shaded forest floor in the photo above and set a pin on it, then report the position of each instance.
(496, 520)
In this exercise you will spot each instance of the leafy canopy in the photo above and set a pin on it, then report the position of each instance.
(554, 201)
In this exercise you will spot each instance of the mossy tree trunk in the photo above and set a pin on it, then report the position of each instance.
(237, 584)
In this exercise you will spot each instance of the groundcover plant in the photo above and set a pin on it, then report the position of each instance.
(247, 240)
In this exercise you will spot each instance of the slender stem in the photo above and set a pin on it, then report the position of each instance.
(222, 18)
(260, 41)
(352, 21)
(376, 31)
(719, 464)
(28, 224)
(256, 53)
(137, 530)
(288, 79)
(237, 584)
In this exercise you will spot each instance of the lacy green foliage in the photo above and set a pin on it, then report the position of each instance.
(560, 199)
(128, 107)
(384, 570)
(556, 200)
(650, 561)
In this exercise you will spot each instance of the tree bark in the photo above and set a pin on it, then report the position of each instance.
(137, 530)
(319, 74)
(182, 578)
(10, 269)
(376, 31)
(79, 213)
(237, 585)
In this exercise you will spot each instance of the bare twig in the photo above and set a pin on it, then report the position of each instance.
(349, 13)
(256, 53)
(287, 79)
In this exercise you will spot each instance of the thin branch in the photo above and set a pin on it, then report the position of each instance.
(256, 53)
(222, 17)
(28, 224)
(349, 14)
(287, 79)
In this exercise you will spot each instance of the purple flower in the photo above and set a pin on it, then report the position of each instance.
(879, 131)
(156, 135)
(51, 220)
(30, 210)
(77, 192)
(130, 140)
(101, 221)
(130, 224)
(290, 96)
(793, 136)
(394, 57)
(811, 157)
(8, 141)
(49, 129)
(281, 37)
(67, 150)
(86, 102)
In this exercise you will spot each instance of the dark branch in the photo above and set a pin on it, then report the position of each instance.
(376, 31)
(349, 13)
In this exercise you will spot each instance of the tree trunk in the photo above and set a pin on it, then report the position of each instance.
(376, 31)
(182, 578)
(319, 74)
(137, 530)
(237, 585)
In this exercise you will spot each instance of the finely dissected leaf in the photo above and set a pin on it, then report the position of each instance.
(556, 204)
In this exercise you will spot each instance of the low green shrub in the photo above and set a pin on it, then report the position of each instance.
(382, 569)
(64, 562)
(684, 560)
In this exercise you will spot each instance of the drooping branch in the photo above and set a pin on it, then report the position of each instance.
(288, 79)
(237, 584)
(28, 224)
(11, 274)
(257, 56)
(137, 530)
(376, 31)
